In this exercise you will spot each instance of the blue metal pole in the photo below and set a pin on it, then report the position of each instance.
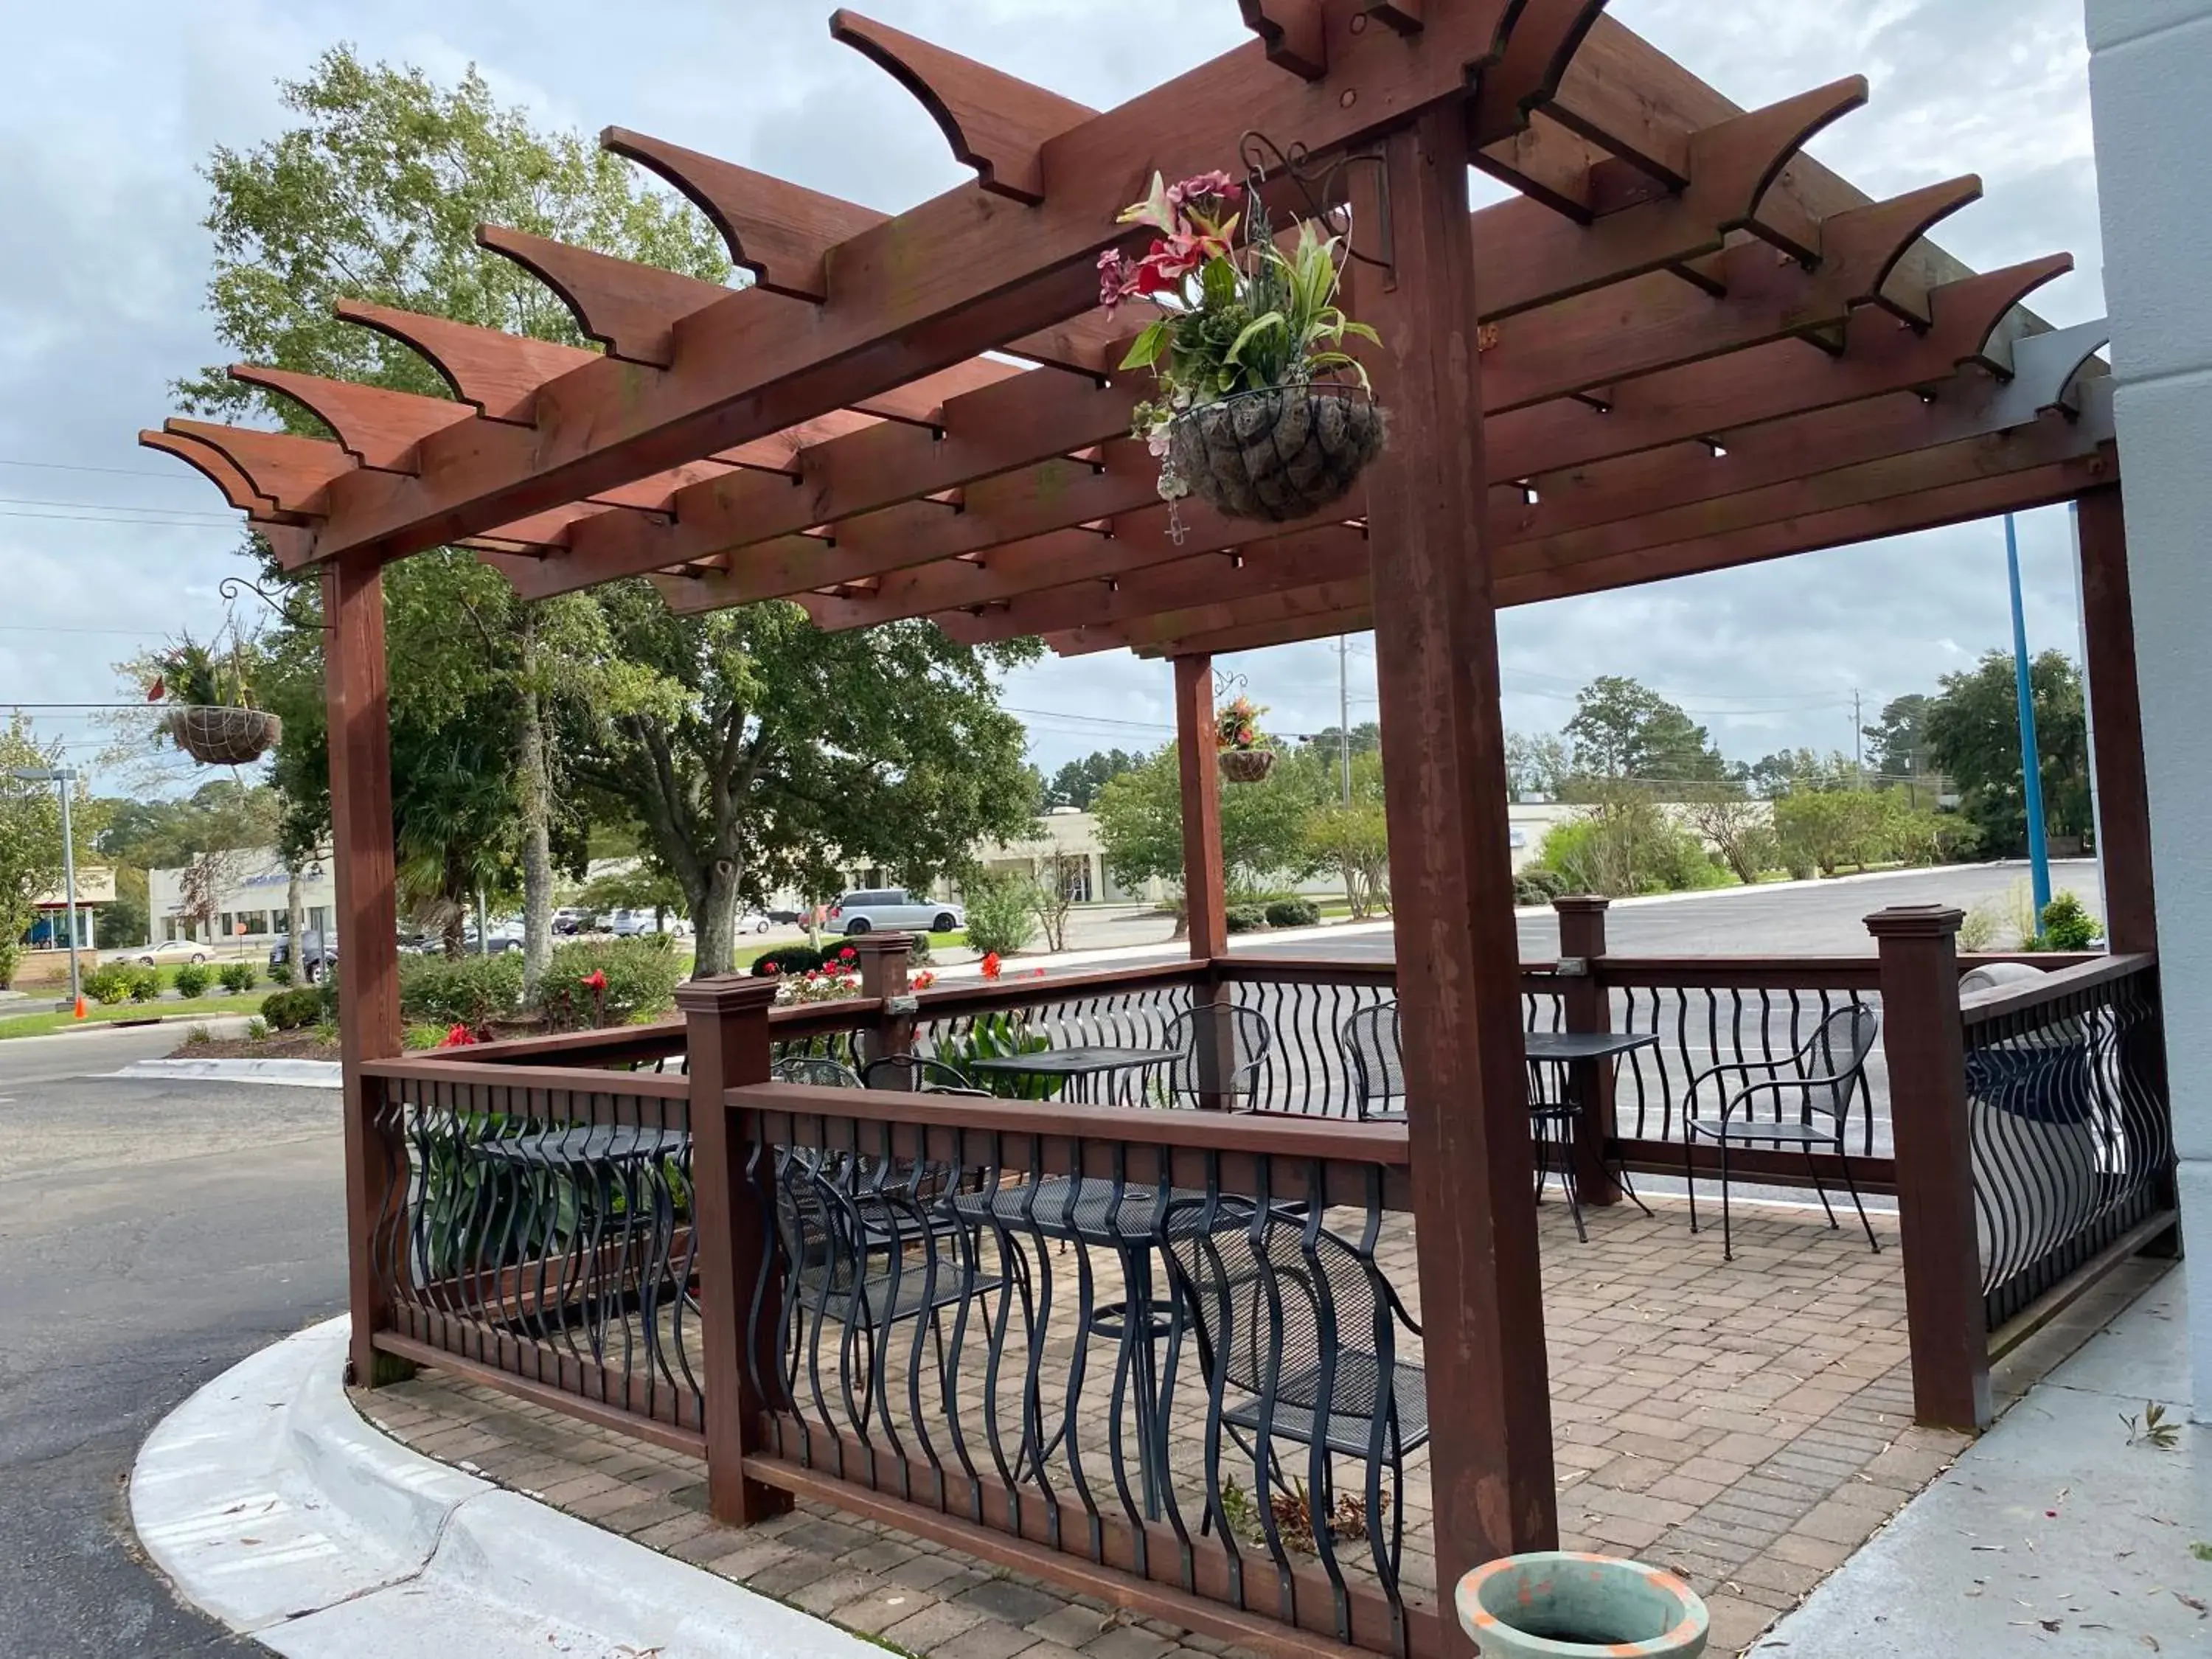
(2031, 758)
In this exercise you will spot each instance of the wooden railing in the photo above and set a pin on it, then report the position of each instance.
(868, 1298)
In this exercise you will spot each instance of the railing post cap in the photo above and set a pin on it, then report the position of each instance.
(725, 993)
(1582, 902)
(1916, 921)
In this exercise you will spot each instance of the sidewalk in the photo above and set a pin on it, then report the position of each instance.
(2052, 1534)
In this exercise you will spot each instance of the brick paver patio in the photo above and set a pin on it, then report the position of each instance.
(1746, 1424)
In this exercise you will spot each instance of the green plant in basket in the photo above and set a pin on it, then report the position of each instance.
(1262, 411)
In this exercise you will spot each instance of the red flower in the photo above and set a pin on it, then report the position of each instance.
(458, 1036)
(847, 954)
(991, 966)
(768, 967)
(922, 980)
(594, 981)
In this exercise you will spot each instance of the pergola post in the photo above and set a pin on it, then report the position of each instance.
(356, 692)
(1204, 887)
(2108, 628)
(1436, 648)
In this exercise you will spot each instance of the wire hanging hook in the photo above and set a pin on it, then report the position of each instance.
(232, 589)
(1320, 189)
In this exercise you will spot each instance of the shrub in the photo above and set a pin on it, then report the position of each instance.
(192, 980)
(1292, 913)
(293, 1010)
(145, 984)
(418, 1036)
(1244, 919)
(108, 985)
(787, 959)
(11, 953)
(1979, 932)
(1001, 919)
(471, 991)
(257, 1029)
(641, 975)
(198, 1037)
(1548, 884)
(2067, 925)
(238, 977)
(280, 972)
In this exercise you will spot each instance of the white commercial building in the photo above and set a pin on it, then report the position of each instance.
(252, 886)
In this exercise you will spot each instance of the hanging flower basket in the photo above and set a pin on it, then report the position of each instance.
(224, 737)
(1262, 412)
(1246, 765)
(1277, 453)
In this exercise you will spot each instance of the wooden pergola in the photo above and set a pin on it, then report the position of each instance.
(1683, 345)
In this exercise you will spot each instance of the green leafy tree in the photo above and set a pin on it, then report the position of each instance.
(374, 193)
(1973, 735)
(1078, 783)
(1537, 764)
(1352, 838)
(1626, 843)
(1824, 830)
(745, 743)
(1263, 824)
(30, 835)
(1623, 729)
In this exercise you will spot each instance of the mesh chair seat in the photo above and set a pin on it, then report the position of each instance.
(883, 1298)
(1354, 1401)
(1742, 1128)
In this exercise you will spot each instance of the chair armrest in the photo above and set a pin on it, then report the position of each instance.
(1747, 1067)
(1775, 1087)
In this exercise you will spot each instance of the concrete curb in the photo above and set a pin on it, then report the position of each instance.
(293, 1073)
(274, 1508)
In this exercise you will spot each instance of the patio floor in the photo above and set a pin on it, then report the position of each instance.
(1745, 1424)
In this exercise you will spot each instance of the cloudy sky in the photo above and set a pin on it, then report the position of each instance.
(105, 548)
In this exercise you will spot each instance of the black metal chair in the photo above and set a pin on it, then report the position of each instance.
(1301, 1321)
(918, 1074)
(1369, 1040)
(1821, 1076)
(1220, 1051)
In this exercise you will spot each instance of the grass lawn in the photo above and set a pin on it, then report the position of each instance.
(174, 1012)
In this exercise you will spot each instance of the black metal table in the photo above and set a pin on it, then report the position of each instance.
(1124, 1219)
(1076, 1066)
(1579, 1055)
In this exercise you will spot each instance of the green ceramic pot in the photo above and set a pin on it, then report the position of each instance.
(1555, 1604)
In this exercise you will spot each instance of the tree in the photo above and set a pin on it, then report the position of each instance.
(1352, 837)
(1972, 729)
(1053, 893)
(1623, 729)
(1740, 831)
(1898, 739)
(746, 742)
(30, 835)
(1140, 823)
(1624, 844)
(1076, 784)
(375, 194)
(1537, 764)
(1824, 829)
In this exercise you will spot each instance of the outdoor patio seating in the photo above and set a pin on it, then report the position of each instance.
(920, 1075)
(1370, 1039)
(817, 1070)
(1302, 1320)
(1220, 1049)
(1818, 1078)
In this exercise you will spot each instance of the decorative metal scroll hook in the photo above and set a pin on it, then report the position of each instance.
(1321, 190)
(232, 588)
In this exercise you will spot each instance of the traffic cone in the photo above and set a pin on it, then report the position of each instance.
(80, 1007)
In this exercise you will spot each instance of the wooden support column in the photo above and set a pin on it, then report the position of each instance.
(726, 1042)
(1588, 1007)
(1204, 888)
(356, 694)
(1204, 885)
(1924, 1043)
(1436, 648)
(884, 961)
(2108, 628)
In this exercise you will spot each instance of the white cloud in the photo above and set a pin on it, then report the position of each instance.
(115, 104)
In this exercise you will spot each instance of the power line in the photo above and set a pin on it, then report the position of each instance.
(109, 518)
(167, 475)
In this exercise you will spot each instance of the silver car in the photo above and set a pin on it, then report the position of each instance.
(895, 909)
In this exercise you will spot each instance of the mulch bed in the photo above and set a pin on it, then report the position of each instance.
(286, 1045)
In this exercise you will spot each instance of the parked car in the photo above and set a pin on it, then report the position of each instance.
(169, 949)
(754, 922)
(570, 920)
(318, 954)
(506, 934)
(635, 924)
(869, 909)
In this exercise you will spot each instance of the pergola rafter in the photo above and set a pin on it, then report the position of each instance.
(1684, 345)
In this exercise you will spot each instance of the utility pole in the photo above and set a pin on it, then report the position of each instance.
(63, 777)
(1859, 738)
(2031, 755)
(1344, 709)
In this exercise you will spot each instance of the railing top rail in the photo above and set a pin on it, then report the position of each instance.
(1301, 970)
(573, 1079)
(944, 1001)
(1275, 1134)
(803, 1019)
(2001, 1001)
(664, 1036)
(1741, 973)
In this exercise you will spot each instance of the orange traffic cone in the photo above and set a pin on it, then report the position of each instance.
(80, 1007)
